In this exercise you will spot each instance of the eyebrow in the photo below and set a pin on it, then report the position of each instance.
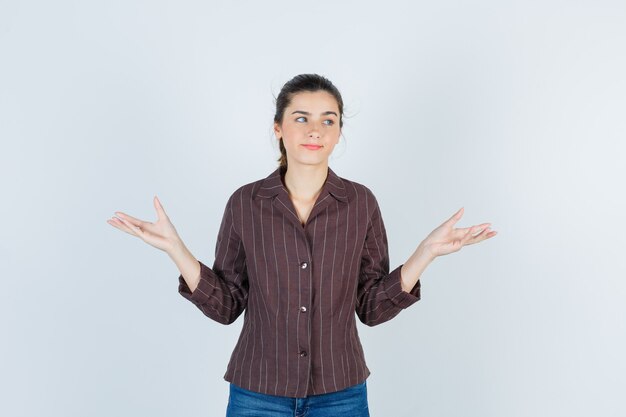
(308, 114)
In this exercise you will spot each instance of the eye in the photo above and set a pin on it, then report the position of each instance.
(330, 122)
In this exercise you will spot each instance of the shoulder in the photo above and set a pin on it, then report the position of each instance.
(359, 193)
(362, 198)
(245, 193)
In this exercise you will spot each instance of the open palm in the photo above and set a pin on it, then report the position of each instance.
(446, 239)
(160, 234)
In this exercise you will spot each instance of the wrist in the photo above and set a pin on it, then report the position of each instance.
(176, 248)
(424, 252)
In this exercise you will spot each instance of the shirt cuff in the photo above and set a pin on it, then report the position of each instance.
(204, 289)
(393, 288)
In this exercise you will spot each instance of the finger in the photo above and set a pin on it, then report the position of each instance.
(455, 217)
(470, 235)
(133, 229)
(130, 219)
(124, 225)
(489, 233)
(477, 228)
(462, 232)
(480, 236)
(159, 208)
(116, 222)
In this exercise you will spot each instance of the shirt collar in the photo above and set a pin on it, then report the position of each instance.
(273, 185)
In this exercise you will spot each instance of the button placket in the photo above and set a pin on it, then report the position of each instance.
(306, 277)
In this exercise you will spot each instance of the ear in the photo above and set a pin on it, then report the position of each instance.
(277, 131)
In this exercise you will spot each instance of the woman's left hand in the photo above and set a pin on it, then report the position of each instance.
(446, 239)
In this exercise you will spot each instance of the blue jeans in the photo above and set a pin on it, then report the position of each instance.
(349, 402)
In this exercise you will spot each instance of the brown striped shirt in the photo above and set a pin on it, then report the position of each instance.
(300, 285)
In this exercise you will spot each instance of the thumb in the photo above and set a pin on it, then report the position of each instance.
(456, 217)
(159, 208)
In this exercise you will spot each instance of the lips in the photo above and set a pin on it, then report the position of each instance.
(312, 147)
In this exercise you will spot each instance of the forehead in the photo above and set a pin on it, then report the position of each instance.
(314, 101)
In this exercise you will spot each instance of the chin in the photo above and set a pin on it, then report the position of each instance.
(317, 161)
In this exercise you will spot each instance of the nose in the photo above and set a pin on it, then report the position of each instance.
(315, 131)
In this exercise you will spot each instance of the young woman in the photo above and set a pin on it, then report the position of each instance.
(301, 251)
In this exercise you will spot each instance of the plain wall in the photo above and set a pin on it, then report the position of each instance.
(513, 110)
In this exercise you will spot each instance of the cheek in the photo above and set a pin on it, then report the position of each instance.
(293, 134)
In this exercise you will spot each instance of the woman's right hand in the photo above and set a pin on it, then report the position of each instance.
(161, 235)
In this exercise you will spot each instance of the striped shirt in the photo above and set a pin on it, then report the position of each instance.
(300, 285)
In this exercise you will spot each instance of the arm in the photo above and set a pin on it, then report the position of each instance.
(381, 294)
(413, 268)
(220, 292)
(188, 265)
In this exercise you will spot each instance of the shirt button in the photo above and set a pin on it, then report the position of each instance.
(303, 309)
(303, 265)
(303, 353)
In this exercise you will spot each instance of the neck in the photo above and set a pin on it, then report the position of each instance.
(304, 182)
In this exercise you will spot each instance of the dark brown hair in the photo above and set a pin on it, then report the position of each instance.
(299, 83)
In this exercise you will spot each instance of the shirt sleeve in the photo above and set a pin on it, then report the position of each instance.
(222, 292)
(380, 296)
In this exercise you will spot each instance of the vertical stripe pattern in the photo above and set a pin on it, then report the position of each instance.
(299, 287)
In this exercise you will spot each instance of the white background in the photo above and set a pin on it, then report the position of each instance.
(513, 110)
